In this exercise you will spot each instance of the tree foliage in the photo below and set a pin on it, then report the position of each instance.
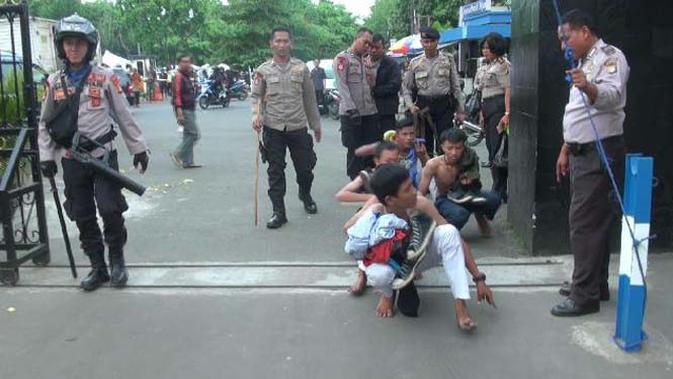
(235, 32)
(393, 17)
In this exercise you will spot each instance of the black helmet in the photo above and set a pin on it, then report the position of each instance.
(75, 26)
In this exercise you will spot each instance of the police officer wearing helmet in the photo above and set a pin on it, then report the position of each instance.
(432, 82)
(101, 103)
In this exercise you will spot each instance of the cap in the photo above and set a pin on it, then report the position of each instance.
(429, 33)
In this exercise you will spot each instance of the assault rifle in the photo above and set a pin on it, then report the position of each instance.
(100, 165)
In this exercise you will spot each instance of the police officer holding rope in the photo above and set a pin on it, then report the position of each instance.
(431, 87)
(87, 100)
(599, 83)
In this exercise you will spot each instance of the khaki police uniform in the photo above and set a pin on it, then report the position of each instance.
(102, 105)
(284, 97)
(492, 79)
(592, 212)
(433, 83)
(357, 109)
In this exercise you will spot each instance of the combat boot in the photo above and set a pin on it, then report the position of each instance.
(309, 204)
(118, 274)
(98, 275)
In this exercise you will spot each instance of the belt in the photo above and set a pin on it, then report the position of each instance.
(102, 140)
(431, 99)
(584, 148)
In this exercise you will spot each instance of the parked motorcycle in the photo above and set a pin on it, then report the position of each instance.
(332, 100)
(239, 90)
(208, 96)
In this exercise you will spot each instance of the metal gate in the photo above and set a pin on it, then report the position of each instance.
(22, 210)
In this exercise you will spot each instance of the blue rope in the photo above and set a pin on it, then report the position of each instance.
(568, 55)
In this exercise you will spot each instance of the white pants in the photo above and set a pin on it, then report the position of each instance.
(445, 249)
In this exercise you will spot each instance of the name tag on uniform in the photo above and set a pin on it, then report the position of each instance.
(95, 96)
(421, 74)
(94, 92)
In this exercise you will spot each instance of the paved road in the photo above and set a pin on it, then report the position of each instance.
(211, 296)
(206, 215)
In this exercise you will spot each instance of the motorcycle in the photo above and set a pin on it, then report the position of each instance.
(208, 97)
(471, 127)
(239, 90)
(332, 100)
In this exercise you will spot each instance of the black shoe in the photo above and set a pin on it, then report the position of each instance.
(276, 221)
(192, 166)
(118, 274)
(565, 291)
(568, 308)
(96, 278)
(309, 205)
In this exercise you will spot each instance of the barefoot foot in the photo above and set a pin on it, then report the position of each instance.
(360, 284)
(463, 318)
(385, 307)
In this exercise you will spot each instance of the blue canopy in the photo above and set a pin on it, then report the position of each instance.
(478, 26)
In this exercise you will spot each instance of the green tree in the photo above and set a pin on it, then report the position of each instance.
(394, 16)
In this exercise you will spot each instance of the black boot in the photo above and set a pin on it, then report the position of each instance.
(277, 220)
(98, 275)
(309, 205)
(118, 274)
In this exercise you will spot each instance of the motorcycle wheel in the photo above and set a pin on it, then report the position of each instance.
(243, 96)
(203, 102)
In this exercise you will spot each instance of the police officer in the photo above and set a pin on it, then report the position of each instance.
(432, 82)
(601, 80)
(283, 103)
(357, 109)
(101, 101)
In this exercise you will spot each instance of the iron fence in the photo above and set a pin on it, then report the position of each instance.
(22, 209)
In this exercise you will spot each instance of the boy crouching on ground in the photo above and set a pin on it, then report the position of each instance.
(396, 196)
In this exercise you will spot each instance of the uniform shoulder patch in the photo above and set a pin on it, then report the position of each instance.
(608, 49)
(116, 84)
(611, 65)
(258, 77)
(342, 63)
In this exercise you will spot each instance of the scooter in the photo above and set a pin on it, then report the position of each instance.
(208, 97)
(239, 90)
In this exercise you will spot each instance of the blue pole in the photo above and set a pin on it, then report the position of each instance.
(631, 300)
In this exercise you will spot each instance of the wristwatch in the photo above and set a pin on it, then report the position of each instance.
(479, 278)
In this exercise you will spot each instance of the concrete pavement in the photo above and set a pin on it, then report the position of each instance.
(211, 296)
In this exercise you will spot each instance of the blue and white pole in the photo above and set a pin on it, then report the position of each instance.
(629, 333)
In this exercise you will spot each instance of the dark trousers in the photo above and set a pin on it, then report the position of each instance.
(320, 100)
(493, 109)
(458, 214)
(300, 144)
(386, 122)
(86, 190)
(441, 109)
(592, 214)
(355, 135)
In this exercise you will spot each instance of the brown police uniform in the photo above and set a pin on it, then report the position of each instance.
(285, 97)
(357, 109)
(592, 212)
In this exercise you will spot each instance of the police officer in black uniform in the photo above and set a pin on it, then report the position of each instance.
(99, 101)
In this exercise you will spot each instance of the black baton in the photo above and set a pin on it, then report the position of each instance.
(64, 230)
